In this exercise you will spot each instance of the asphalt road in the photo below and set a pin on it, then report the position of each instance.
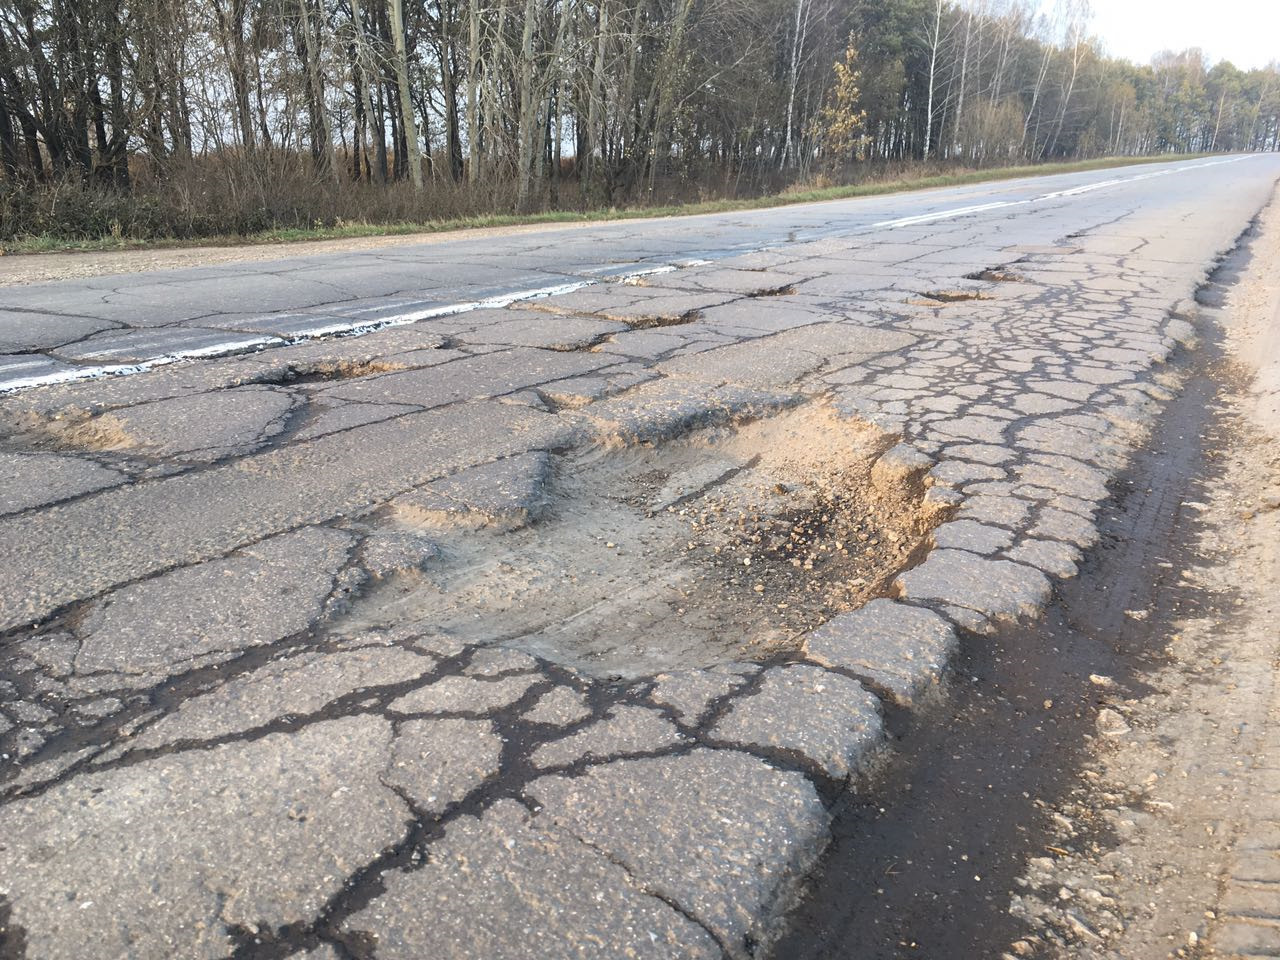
(445, 601)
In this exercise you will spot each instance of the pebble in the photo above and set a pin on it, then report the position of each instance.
(1111, 724)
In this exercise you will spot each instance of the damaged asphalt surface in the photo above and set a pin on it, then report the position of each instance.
(233, 718)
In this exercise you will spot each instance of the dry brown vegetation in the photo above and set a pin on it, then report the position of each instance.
(157, 119)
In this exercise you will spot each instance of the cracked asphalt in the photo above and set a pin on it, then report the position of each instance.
(230, 723)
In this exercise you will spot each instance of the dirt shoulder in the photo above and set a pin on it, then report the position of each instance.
(41, 267)
(1170, 843)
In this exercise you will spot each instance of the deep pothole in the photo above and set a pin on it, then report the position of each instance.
(652, 321)
(954, 296)
(786, 290)
(995, 275)
(325, 371)
(729, 543)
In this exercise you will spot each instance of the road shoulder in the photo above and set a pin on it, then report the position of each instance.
(1170, 843)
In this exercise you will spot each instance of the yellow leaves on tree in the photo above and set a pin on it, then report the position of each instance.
(838, 126)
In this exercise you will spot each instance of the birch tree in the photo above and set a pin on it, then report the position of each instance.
(414, 158)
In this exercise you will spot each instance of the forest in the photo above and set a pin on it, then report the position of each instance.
(191, 118)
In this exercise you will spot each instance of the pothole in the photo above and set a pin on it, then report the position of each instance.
(72, 429)
(327, 370)
(783, 291)
(188, 427)
(650, 321)
(727, 544)
(995, 275)
(954, 296)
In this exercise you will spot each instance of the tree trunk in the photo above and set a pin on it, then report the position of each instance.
(528, 126)
(414, 155)
(1218, 124)
(449, 90)
(798, 31)
(934, 42)
(473, 91)
(964, 76)
(322, 148)
(8, 143)
(595, 109)
(231, 37)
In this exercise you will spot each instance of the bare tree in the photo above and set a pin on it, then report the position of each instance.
(935, 44)
(233, 115)
(406, 99)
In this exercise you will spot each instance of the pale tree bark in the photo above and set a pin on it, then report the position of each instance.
(935, 41)
(626, 99)
(527, 122)
(1042, 74)
(406, 101)
(448, 59)
(548, 85)
(964, 77)
(595, 107)
(1217, 126)
(499, 59)
(1078, 19)
(1263, 94)
(473, 91)
(231, 29)
(371, 77)
(798, 31)
(1008, 27)
(535, 84)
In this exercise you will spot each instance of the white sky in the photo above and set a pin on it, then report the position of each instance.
(1246, 32)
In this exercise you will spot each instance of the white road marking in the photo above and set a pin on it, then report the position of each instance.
(99, 371)
(946, 214)
(1055, 195)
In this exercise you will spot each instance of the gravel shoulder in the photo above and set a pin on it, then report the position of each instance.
(1170, 843)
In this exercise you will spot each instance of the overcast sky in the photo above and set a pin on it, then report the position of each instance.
(1246, 32)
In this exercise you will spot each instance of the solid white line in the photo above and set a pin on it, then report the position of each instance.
(353, 328)
(99, 371)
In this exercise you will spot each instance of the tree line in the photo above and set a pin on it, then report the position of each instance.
(523, 104)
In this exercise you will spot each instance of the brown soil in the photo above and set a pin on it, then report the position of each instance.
(1177, 782)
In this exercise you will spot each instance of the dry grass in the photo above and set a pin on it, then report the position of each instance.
(222, 205)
